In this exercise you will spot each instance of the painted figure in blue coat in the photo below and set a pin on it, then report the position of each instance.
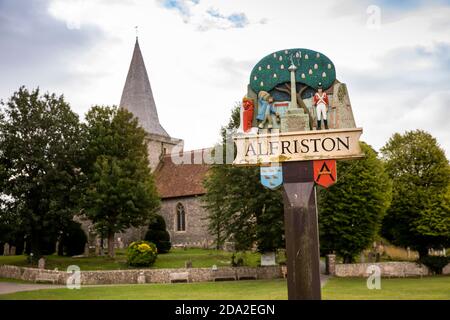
(265, 110)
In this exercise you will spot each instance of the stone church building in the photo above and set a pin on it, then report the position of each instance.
(179, 185)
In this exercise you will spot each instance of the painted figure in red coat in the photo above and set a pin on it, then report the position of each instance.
(320, 100)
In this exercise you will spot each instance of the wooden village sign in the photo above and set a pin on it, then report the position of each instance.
(296, 121)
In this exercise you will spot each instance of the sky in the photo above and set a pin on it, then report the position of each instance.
(394, 56)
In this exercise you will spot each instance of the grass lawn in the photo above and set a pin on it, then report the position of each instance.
(431, 288)
(15, 281)
(426, 288)
(174, 259)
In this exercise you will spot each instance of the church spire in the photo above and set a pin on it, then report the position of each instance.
(137, 96)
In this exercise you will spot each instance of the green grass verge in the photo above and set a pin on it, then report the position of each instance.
(239, 290)
(176, 258)
(429, 288)
(15, 281)
(426, 288)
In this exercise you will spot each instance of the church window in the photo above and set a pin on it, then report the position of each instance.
(181, 218)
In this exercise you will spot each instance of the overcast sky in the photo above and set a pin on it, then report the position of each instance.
(394, 56)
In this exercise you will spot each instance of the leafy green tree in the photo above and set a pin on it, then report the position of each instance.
(351, 210)
(73, 239)
(419, 215)
(240, 208)
(120, 192)
(40, 144)
(157, 234)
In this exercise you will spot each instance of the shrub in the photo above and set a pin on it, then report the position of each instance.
(238, 259)
(141, 254)
(158, 234)
(435, 263)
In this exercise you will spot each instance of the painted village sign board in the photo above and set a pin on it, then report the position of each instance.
(282, 119)
(296, 121)
(263, 149)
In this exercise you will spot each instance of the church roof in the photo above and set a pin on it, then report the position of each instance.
(180, 180)
(137, 95)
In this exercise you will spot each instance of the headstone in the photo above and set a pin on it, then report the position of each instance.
(362, 258)
(41, 263)
(330, 264)
(6, 249)
(188, 264)
(12, 251)
(120, 244)
(371, 257)
(268, 259)
(141, 278)
(86, 249)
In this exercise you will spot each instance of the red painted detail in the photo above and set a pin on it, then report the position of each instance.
(248, 109)
(325, 172)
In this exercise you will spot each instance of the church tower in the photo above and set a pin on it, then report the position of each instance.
(137, 97)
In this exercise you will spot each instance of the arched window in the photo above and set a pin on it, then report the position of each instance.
(181, 218)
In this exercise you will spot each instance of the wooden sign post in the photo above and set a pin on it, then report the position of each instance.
(301, 231)
(282, 140)
(299, 177)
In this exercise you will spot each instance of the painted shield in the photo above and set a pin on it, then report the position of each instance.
(325, 173)
(271, 176)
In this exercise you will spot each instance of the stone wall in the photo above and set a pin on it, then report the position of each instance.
(196, 234)
(131, 276)
(388, 269)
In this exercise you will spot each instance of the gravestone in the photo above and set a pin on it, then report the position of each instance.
(362, 257)
(268, 259)
(86, 250)
(330, 264)
(120, 243)
(12, 251)
(41, 263)
(6, 249)
(188, 264)
(141, 278)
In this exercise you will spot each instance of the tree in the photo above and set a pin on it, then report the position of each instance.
(351, 210)
(73, 240)
(272, 74)
(240, 208)
(121, 191)
(40, 144)
(419, 215)
(157, 234)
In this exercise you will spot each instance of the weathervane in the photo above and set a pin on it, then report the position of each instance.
(136, 28)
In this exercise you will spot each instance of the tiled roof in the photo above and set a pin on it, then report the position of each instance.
(180, 180)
